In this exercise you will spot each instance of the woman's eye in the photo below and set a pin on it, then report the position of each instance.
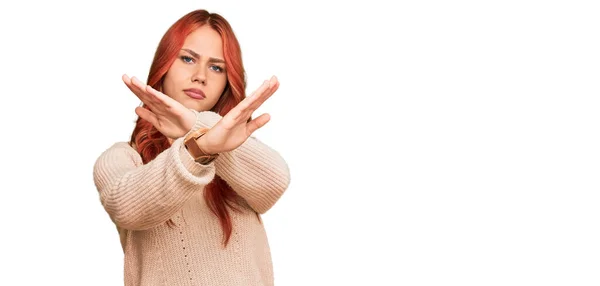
(217, 68)
(187, 59)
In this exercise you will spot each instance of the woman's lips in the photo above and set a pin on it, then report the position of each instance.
(195, 93)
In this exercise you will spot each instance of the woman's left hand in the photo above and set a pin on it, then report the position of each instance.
(234, 129)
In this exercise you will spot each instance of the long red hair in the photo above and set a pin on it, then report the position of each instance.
(150, 142)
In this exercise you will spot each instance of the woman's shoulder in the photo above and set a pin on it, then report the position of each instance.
(122, 146)
(120, 150)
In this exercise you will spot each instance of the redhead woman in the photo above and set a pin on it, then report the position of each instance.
(187, 192)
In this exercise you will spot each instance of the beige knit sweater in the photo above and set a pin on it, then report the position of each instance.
(140, 199)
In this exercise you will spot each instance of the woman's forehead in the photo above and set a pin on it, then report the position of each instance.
(205, 42)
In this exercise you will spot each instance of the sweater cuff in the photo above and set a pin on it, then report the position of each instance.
(185, 163)
(204, 119)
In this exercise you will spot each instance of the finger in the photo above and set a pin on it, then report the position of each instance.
(242, 110)
(143, 97)
(130, 82)
(247, 106)
(261, 94)
(254, 95)
(261, 88)
(266, 94)
(257, 123)
(160, 97)
(163, 104)
(147, 115)
(141, 88)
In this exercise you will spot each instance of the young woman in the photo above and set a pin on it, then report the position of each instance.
(186, 193)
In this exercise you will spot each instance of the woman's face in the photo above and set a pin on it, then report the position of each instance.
(197, 77)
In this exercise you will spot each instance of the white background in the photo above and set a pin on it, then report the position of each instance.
(430, 143)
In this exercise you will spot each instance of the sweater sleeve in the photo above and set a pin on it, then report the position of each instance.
(138, 196)
(254, 170)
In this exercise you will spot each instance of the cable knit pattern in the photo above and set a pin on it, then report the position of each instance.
(139, 199)
(261, 182)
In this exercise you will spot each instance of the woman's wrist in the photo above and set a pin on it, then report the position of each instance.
(203, 146)
(197, 148)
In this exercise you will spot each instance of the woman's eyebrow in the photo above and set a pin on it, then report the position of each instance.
(196, 55)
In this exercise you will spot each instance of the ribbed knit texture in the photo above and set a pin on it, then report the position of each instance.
(139, 199)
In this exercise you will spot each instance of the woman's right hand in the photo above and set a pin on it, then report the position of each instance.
(170, 117)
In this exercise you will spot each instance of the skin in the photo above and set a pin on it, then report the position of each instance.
(193, 68)
(170, 111)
